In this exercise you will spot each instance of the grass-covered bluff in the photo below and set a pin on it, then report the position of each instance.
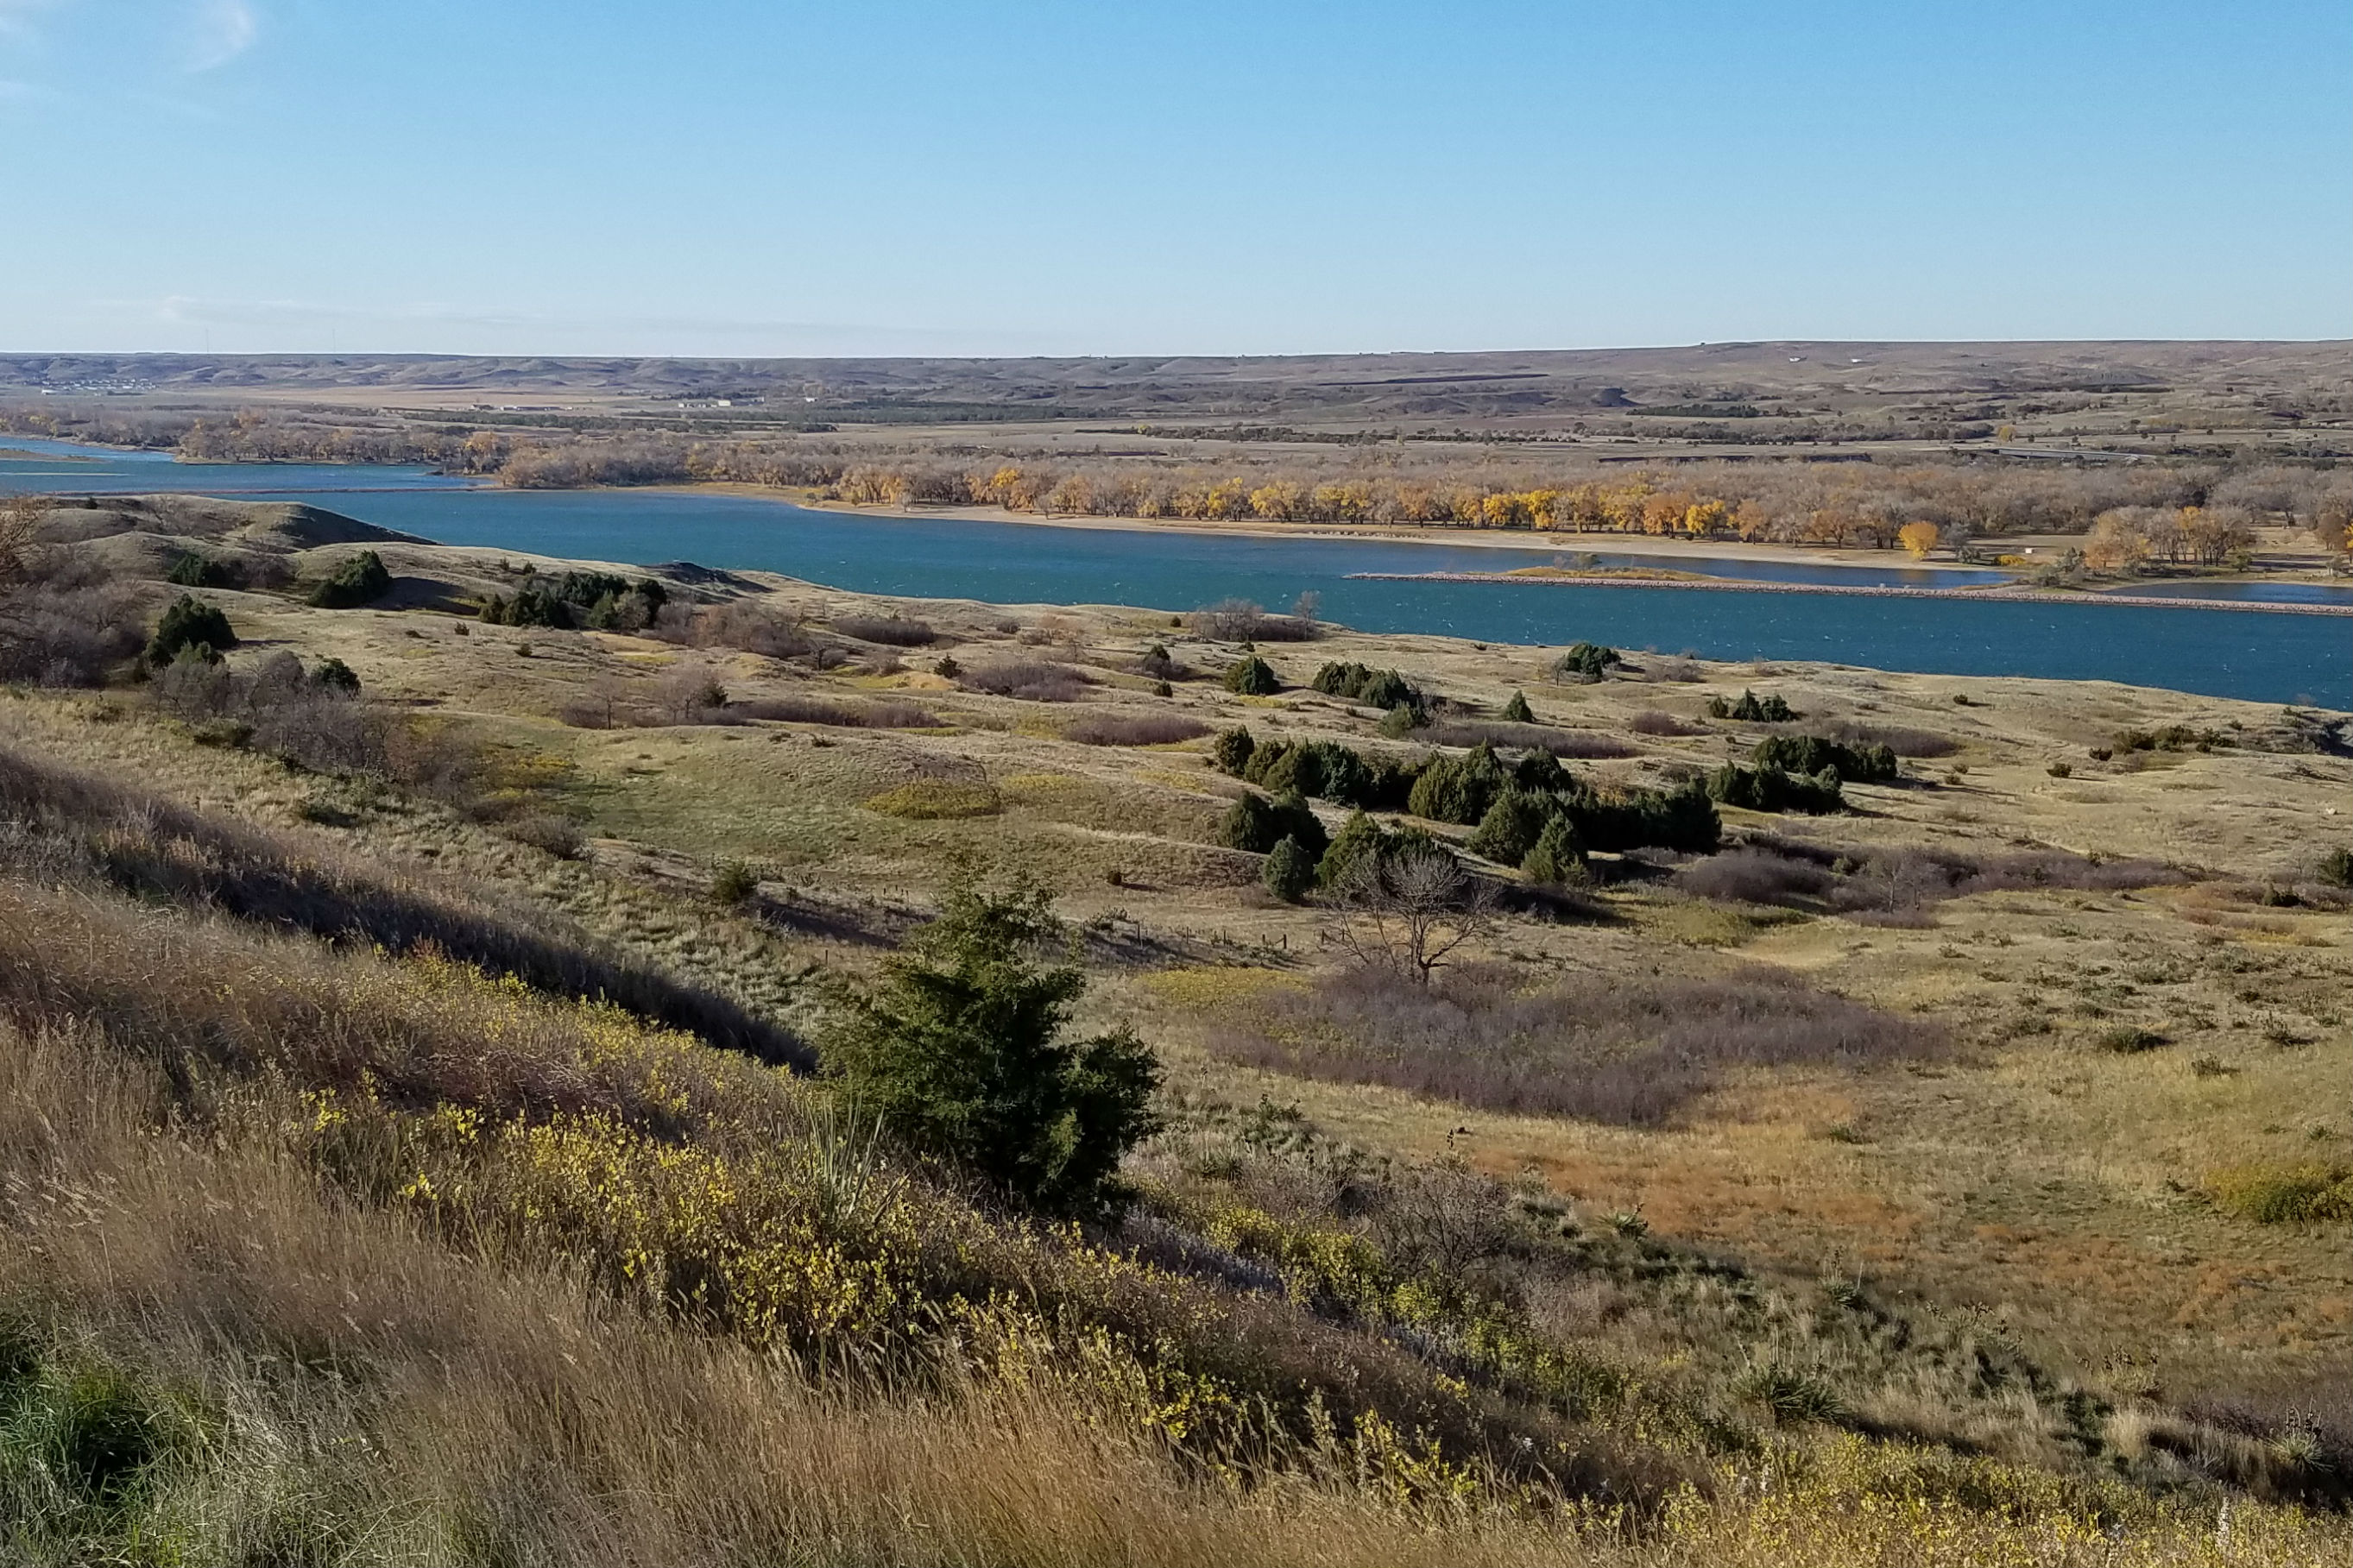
(551, 1049)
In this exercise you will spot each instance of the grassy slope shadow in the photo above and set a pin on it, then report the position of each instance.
(75, 823)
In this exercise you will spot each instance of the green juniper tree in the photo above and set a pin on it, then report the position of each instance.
(960, 1050)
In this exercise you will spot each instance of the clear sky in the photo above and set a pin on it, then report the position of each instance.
(1125, 176)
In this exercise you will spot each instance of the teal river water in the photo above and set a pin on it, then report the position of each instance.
(2303, 660)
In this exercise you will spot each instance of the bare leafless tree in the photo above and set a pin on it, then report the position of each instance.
(609, 703)
(20, 520)
(1445, 1216)
(689, 694)
(1409, 910)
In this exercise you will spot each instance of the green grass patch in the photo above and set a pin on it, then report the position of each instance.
(2305, 1193)
(929, 800)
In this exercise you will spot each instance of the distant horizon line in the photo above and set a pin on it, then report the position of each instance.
(1725, 344)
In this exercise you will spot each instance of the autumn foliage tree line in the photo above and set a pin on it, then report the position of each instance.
(2179, 511)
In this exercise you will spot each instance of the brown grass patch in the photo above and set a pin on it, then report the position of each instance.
(1620, 1049)
(1589, 745)
(1029, 681)
(1135, 730)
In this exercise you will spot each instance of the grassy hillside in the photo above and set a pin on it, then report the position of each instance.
(409, 1149)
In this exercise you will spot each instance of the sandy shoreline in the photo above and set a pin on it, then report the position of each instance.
(2005, 593)
(1532, 542)
(1606, 545)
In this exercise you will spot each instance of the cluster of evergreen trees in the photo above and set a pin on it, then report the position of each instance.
(191, 625)
(1800, 772)
(1814, 754)
(1325, 770)
(1300, 857)
(1774, 789)
(1253, 677)
(1538, 801)
(599, 601)
(361, 580)
(1587, 662)
(1372, 687)
(1515, 808)
(1753, 710)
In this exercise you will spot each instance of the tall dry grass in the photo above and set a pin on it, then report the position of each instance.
(1587, 745)
(333, 1387)
(361, 1395)
(696, 1182)
(1897, 884)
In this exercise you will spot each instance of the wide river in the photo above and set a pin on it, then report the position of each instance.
(2293, 658)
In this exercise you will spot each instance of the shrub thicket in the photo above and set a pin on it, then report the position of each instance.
(1756, 876)
(58, 636)
(1253, 677)
(1372, 687)
(1586, 661)
(194, 569)
(1651, 721)
(1257, 824)
(1240, 620)
(1614, 1048)
(1135, 730)
(892, 631)
(1511, 826)
(1753, 710)
(360, 580)
(1027, 680)
(190, 623)
(1813, 753)
(1585, 744)
(796, 707)
(602, 601)
(1458, 789)
(1771, 788)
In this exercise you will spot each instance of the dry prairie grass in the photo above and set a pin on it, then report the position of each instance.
(378, 1400)
(71, 823)
(368, 1397)
(1613, 1051)
(2030, 1185)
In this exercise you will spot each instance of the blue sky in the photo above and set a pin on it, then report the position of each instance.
(728, 177)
